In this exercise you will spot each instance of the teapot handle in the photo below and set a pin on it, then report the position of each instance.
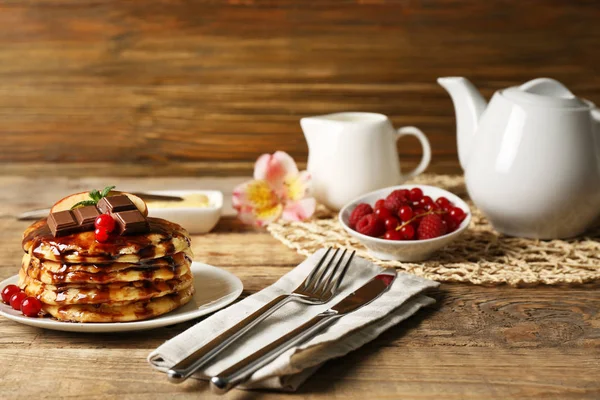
(596, 114)
(414, 131)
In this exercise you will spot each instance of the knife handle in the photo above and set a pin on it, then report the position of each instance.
(243, 370)
(192, 363)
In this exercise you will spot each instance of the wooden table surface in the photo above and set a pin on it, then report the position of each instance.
(475, 343)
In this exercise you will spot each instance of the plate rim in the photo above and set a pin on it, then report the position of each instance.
(153, 323)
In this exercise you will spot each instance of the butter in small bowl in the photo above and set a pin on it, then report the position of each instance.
(198, 213)
(189, 200)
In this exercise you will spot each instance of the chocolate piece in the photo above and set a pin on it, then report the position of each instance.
(115, 204)
(62, 223)
(86, 216)
(132, 221)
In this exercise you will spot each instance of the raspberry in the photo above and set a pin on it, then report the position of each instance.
(395, 200)
(431, 226)
(370, 225)
(359, 211)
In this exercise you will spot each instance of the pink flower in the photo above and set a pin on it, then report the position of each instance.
(278, 190)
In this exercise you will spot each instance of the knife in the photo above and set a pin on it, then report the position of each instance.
(243, 370)
(43, 212)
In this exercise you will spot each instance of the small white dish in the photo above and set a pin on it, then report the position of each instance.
(215, 289)
(195, 220)
(404, 250)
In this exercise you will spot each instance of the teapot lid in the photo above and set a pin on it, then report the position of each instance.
(544, 92)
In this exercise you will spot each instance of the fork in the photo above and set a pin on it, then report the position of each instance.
(321, 284)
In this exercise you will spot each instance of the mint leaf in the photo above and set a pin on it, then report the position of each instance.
(95, 195)
(106, 191)
(84, 203)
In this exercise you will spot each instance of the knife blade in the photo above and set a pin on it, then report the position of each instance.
(243, 370)
(43, 212)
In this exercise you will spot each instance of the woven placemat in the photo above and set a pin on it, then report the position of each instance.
(480, 256)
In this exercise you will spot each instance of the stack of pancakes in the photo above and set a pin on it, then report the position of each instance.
(128, 278)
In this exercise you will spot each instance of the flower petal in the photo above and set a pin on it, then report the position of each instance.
(300, 210)
(274, 168)
(256, 203)
(295, 187)
(259, 217)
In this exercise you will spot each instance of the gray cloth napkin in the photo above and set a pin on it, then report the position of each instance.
(293, 367)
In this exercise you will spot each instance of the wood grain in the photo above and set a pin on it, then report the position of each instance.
(161, 81)
(474, 343)
(439, 165)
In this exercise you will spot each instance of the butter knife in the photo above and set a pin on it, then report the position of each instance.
(43, 212)
(243, 370)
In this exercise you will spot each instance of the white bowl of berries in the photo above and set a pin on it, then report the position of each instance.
(407, 222)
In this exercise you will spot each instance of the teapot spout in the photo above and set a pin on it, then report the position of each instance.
(468, 106)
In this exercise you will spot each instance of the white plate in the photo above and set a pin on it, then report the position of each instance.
(196, 220)
(215, 289)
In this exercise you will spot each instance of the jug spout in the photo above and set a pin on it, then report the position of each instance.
(312, 126)
(468, 106)
(321, 130)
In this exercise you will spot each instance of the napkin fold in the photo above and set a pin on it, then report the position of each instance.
(288, 371)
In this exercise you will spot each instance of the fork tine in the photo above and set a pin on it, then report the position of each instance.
(340, 278)
(322, 288)
(309, 279)
(322, 273)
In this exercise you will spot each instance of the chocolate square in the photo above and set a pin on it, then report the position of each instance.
(86, 216)
(132, 221)
(115, 204)
(62, 223)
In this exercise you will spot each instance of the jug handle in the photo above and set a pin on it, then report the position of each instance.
(414, 131)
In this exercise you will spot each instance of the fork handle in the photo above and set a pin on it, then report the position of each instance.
(244, 369)
(192, 363)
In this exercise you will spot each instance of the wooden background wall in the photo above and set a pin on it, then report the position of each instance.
(185, 82)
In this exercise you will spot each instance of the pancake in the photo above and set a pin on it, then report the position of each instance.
(52, 272)
(109, 294)
(135, 311)
(129, 277)
(164, 239)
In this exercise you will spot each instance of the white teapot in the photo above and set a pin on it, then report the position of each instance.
(531, 157)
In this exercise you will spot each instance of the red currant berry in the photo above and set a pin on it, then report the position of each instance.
(443, 202)
(105, 222)
(383, 213)
(393, 235)
(101, 235)
(415, 224)
(407, 232)
(426, 200)
(405, 213)
(416, 194)
(380, 203)
(457, 214)
(427, 203)
(31, 307)
(8, 292)
(391, 223)
(405, 193)
(16, 299)
(419, 214)
(418, 211)
(451, 224)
